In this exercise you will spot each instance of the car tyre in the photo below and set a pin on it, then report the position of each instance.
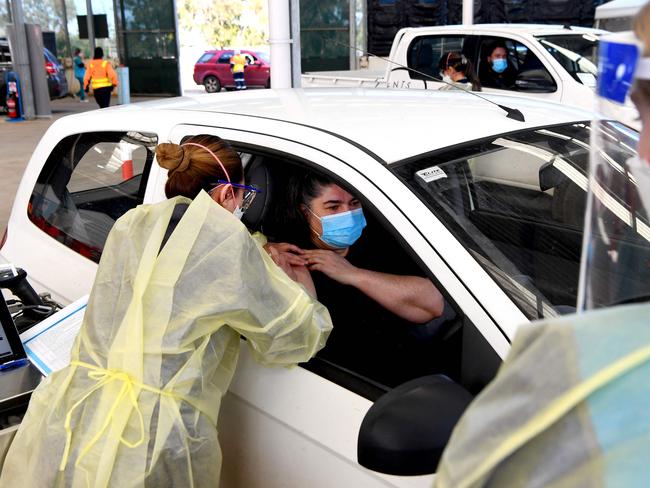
(212, 84)
(268, 83)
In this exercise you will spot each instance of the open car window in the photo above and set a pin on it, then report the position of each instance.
(371, 350)
(576, 53)
(517, 203)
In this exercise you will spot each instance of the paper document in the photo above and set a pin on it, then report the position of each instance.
(48, 344)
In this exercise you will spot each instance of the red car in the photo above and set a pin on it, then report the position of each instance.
(212, 70)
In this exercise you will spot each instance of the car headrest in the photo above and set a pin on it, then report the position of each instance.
(258, 175)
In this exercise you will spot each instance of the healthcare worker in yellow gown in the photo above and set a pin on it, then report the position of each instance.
(138, 405)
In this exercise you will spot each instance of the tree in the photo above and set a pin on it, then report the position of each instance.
(225, 23)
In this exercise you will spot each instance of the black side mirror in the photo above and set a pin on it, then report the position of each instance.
(535, 81)
(406, 430)
(550, 176)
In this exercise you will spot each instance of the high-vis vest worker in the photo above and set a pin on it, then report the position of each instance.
(238, 62)
(101, 74)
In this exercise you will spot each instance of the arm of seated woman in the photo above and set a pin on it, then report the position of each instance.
(412, 298)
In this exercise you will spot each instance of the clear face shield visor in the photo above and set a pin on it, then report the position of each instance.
(615, 261)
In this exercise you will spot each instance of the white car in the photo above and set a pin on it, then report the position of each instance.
(488, 207)
(549, 62)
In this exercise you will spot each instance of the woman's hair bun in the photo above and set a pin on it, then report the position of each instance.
(171, 157)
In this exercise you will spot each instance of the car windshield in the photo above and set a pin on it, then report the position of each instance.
(577, 53)
(517, 203)
(264, 56)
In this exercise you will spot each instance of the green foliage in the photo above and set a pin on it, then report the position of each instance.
(226, 23)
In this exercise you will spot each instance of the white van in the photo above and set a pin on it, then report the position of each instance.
(617, 15)
(550, 62)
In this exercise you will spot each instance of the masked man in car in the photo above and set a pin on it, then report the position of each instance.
(496, 71)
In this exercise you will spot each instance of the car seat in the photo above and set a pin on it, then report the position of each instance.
(258, 174)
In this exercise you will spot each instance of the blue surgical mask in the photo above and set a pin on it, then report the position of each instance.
(341, 230)
(499, 65)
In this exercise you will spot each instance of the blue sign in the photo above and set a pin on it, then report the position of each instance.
(616, 66)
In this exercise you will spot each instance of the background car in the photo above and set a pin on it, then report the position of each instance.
(552, 62)
(56, 80)
(488, 207)
(212, 70)
(549, 62)
(5, 66)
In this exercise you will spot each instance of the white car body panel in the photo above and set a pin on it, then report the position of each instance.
(291, 427)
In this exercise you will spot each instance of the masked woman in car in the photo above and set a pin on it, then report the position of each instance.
(373, 290)
(178, 283)
(457, 72)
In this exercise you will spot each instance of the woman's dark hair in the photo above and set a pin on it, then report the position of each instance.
(461, 64)
(99, 53)
(77, 51)
(191, 168)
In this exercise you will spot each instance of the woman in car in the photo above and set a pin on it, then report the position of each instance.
(178, 283)
(457, 72)
(371, 288)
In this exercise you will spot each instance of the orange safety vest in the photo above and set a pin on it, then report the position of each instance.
(101, 74)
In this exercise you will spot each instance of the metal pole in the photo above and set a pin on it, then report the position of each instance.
(39, 80)
(20, 58)
(296, 67)
(354, 59)
(468, 12)
(118, 31)
(9, 12)
(91, 26)
(177, 55)
(280, 43)
(66, 34)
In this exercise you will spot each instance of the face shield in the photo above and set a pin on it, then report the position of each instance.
(615, 267)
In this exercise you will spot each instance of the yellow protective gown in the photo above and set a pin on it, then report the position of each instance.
(139, 403)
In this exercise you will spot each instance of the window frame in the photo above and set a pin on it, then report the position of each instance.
(419, 38)
(485, 39)
(224, 55)
(363, 386)
(52, 164)
(458, 151)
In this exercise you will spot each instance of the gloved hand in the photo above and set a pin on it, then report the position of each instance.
(87, 89)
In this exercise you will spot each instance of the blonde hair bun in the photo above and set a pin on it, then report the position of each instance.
(172, 157)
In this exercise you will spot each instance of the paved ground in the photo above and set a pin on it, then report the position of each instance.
(18, 140)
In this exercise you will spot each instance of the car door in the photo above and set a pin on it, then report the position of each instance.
(254, 73)
(74, 189)
(298, 427)
(222, 67)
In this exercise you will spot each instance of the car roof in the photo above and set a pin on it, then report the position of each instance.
(522, 29)
(393, 124)
(244, 50)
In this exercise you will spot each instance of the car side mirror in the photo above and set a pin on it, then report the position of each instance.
(549, 176)
(535, 81)
(405, 432)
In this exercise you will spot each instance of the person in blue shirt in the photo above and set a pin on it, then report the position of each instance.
(79, 73)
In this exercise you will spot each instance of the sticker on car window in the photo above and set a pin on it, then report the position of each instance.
(431, 174)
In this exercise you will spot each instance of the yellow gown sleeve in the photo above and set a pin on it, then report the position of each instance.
(285, 324)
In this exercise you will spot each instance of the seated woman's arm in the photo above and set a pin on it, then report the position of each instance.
(412, 298)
